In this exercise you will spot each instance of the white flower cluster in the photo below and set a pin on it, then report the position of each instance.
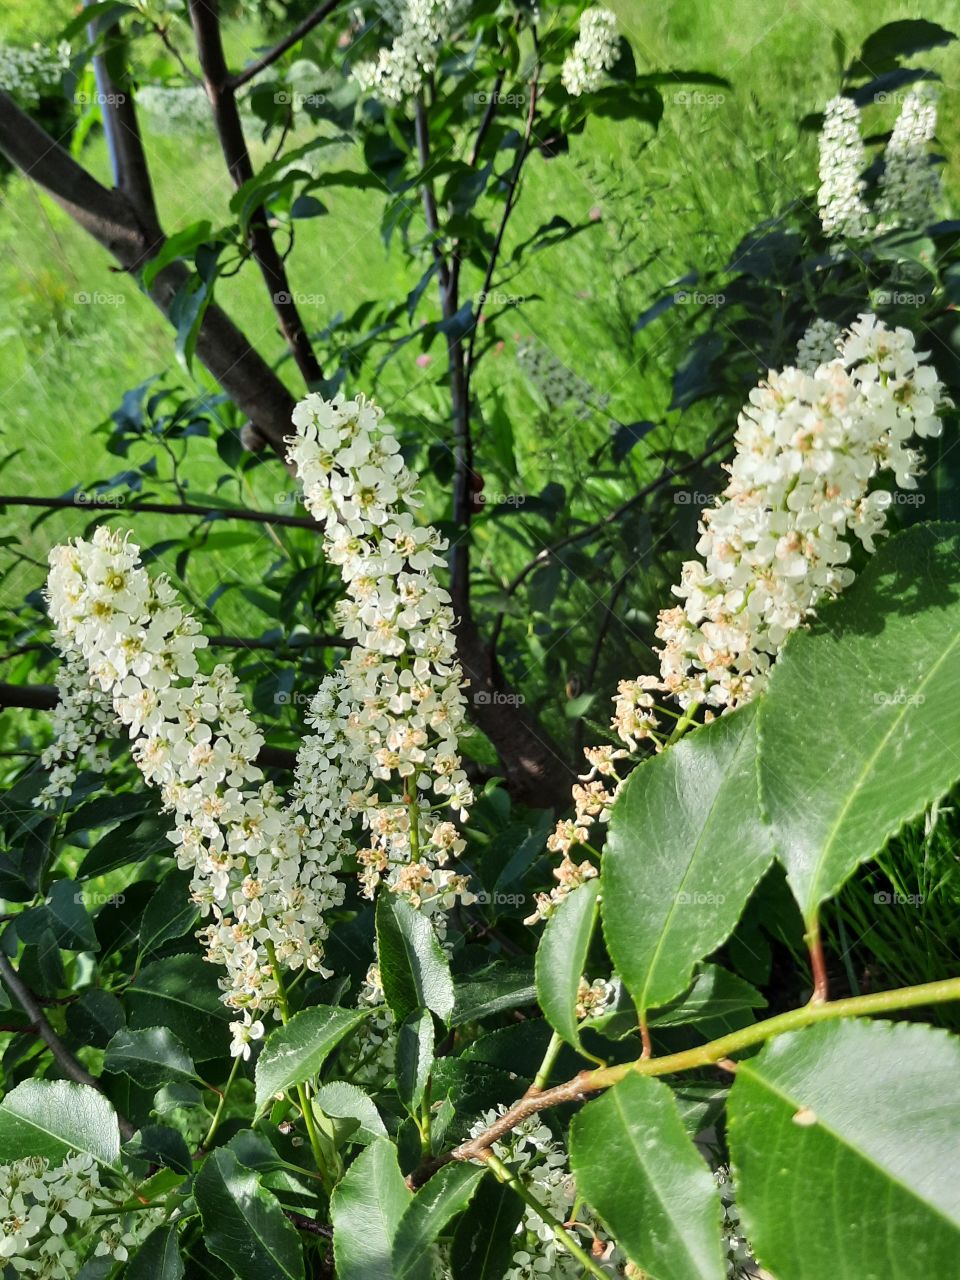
(818, 345)
(421, 27)
(385, 749)
(807, 447)
(596, 51)
(256, 873)
(175, 110)
(542, 1164)
(843, 210)
(909, 184)
(82, 717)
(25, 73)
(47, 1223)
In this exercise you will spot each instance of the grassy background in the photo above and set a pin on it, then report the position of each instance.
(662, 205)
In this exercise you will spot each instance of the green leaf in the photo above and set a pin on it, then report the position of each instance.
(636, 1166)
(562, 957)
(64, 915)
(131, 841)
(716, 994)
(169, 914)
(346, 1101)
(294, 1053)
(483, 1242)
(95, 1017)
(501, 986)
(243, 1225)
(414, 1059)
(179, 245)
(413, 967)
(882, 687)
(437, 1202)
(159, 1144)
(151, 1057)
(158, 1258)
(846, 1136)
(180, 992)
(685, 849)
(366, 1207)
(53, 1118)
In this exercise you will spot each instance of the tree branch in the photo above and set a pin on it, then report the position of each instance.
(204, 15)
(268, 59)
(715, 1053)
(44, 697)
(67, 1063)
(83, 502)
(110, 218)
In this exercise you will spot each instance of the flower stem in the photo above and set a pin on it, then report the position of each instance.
(547, 1065)
(305, 1108)
(562, 1236)
(684, 723)
(218, 1114)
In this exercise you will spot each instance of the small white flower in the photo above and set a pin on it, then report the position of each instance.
(595, 52)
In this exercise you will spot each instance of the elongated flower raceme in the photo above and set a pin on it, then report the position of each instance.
(264, 885)
(596, 51)
(421, 28)
(82, 718)
(818, 345)
(387, 724)
(843, 209)
(910, 184)
(808, 448)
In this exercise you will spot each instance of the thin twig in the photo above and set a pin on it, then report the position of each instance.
(302, 29)
(64, 1058)
(83, 502)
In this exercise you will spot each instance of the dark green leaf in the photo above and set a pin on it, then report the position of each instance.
(483, 1242)
(414, 1059)
(180, 992)
(296, 1052)
(151, 1057)
(562, 958)
(159, 1144)
(636, 1166)
(847, 1136)
(95, 1017)
(243, 1224)
(366, 1207)
(686, 847)
(158, 1258)
(413, 967)
(346, 1101)
(436, 1203)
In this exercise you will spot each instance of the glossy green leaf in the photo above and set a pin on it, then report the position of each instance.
(180, 992)
(413, 967)
(66, 917)
(53, 1118)
(158, 1258)
(562, 957)
(346, 1101)
(882, 688)
(435, 1204)
(170, 914)
(95, 1017)
(243, 1224)
(151, 1057)
(846, 1136)
(483, 1242)
(158, 1144)
(414, 1058)
(366, 1208)
(685, 849)
(641, 1173)
(294, 1053)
